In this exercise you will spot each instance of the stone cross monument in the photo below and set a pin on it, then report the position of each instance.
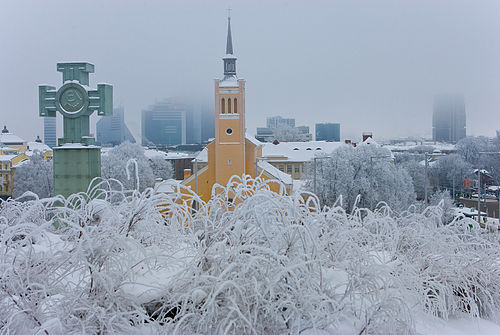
(76, 158)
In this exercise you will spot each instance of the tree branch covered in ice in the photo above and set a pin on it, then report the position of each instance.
(247, 261)
(366, 170)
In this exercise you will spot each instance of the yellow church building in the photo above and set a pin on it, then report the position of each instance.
(232, 152)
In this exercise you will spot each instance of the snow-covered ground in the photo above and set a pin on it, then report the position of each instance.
(131, 262)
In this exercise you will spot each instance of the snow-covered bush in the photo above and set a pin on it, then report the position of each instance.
(366, 170)
(248, 261)
(161, 168)
(114, 165)
(34, 175)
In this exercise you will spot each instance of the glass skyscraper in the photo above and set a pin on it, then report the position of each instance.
(448, 119)
(328, 132)
(49, 131)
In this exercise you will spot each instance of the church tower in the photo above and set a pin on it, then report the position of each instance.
(231, 152)
(229, 118)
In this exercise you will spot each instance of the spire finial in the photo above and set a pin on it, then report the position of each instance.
(229, 13)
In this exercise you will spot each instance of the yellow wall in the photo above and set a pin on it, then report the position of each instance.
(229, 154)
(229, 148)
(7, 174)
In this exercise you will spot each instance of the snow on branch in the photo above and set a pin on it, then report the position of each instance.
(248, 261)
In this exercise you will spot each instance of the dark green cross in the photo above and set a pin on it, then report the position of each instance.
(76, 102)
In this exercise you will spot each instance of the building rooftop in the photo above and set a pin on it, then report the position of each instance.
(298, 151)
(37, 146)
(9, 138)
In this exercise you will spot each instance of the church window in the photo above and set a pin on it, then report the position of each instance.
(229, 131)
(235, 106)
(229, 162)
(282, 168)
(297, 170)
(289, 169)
(223, 106)
(229, 106)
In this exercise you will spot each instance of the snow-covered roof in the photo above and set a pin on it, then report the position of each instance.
(7, 158)
(253, 140)
(431, 162)
(180, 155)
(152, 153)
(229, 82)
(37, 146)
(202, 156)
(409, 145)
(18, 164)
(9, 138)
(370, 141)
(167, 186)
(298, 151)
(77, 146)
(279, 175)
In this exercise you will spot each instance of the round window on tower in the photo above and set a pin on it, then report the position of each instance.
(229, 131)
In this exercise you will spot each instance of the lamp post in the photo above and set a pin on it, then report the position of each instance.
(479, 188)
(426, 200)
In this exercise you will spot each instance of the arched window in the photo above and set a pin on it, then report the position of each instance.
(235, 106)
(223, 106)
(229, 106)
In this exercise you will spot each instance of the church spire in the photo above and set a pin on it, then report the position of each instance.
(229, 43)
(229, 58)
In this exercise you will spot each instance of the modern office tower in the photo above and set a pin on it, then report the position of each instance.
(328, 132)
(112, 130)
(171, 122)
(207, 123)
(49, 131)
(277, 121)
(449, 120)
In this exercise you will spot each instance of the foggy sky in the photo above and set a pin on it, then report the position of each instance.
(369, 65)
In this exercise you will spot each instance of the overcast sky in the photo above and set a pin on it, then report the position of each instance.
(372, 65)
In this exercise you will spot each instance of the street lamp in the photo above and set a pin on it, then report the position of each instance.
(479, 188)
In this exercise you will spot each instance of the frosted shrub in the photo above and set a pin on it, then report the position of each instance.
(248, 261)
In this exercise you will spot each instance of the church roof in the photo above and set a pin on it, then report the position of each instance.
(253, 140)
(276, 173)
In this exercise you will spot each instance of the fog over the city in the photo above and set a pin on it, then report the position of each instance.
(368, 65)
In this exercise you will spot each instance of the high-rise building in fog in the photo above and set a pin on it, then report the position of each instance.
(49, 131)
(449, 120)
(112, 130)
(172, 122)
(328, 132)
(208, 123)
(277, 121)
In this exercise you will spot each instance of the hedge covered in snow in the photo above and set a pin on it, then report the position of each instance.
(249, 261)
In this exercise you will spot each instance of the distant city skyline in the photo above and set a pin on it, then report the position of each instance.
(370, 66)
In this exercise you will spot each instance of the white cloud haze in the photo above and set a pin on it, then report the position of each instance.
(370, 65)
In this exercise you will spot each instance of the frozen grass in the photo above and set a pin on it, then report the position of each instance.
(249, 261)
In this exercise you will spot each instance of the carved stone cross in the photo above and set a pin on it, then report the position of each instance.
(76, 101)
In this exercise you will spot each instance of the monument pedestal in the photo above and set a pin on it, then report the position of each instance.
(76, 160)
(75, 165)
